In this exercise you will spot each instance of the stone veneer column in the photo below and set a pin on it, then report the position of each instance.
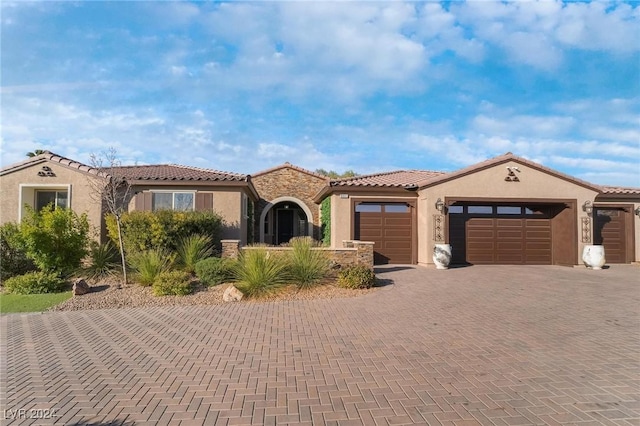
(364, 253)
(230, 249)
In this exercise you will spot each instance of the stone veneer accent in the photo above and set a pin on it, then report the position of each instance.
(287, 181)
(353, 252)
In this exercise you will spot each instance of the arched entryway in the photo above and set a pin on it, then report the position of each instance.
(283, 219)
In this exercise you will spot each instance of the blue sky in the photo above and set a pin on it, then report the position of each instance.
(368, 86)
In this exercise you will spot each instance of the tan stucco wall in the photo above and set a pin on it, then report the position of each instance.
(490, 183)
(80, 196)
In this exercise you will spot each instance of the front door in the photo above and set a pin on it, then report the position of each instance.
(285, 224)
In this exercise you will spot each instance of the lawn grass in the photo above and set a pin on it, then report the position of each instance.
(10, 303)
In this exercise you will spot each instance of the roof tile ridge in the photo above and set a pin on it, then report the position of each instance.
(204, 169)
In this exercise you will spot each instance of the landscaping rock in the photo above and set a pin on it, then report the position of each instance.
(232, 294)
(80, 287)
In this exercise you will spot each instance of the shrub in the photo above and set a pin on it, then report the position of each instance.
(13, 256)
(55, 238)
(103, 261)
(325, 217)
(192, 249)
(307, 266)
(356, 277)
(163, 229)
(35, 282)
(214, 270)
(149, 264)
(176, 283)
(259, 273)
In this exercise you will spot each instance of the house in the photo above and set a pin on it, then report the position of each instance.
(49, 178)
(506, 210)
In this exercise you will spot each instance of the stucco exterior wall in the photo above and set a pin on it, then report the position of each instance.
(80, 192)
(490, 183)
(292, 184)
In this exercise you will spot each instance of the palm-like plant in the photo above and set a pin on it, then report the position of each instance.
(307, 266)
(103, 260)
(192, 249)
(149, 264)
(259, 273)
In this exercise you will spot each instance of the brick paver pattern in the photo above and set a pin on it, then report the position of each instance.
(489, 345)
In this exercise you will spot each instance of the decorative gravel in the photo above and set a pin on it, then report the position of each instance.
(107, 295)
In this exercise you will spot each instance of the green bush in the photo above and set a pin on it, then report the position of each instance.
(149, 264)
(259, 273)
(356, 277)
(307, 266)
(192, 249)
(13, 255)
(55, 239)
(103, 261)
(163, 229)
(214, 270)
(325, 217)
(35, 282)
(172, 283)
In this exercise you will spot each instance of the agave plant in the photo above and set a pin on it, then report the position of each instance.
(259, 273)
(307, 267)
(192, 249)
(103, 261)
(149, 264)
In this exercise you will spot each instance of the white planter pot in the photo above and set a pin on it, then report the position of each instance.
(593, 256)
(442, 256)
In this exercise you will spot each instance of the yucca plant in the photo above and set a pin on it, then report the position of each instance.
(103, 261)
(149, 264)
(192, 249)
(307, 267)
(259, 273)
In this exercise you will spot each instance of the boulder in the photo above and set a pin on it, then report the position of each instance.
(80, 287)
(232, 294)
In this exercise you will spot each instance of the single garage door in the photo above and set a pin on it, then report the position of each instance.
(390, 227)
(497, 234)
(610, 226)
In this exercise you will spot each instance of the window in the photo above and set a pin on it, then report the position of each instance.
(57, 198)
(455, 209)
(396, 208)
(368, 208)
(509, 210)
(181, 201)
(480, 209)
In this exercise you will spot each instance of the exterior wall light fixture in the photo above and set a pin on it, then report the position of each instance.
(637, 211)
(440, 205)
(587, 207)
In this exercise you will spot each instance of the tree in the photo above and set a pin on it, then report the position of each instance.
(112, 190)
(36, 152)
(335, 175)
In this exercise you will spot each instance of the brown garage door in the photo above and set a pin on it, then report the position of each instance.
(495, 234)
(389, 226)
(610, 231)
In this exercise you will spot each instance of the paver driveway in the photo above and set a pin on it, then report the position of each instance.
(478, 345)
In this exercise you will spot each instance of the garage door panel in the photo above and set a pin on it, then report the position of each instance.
(610, 230)
(500, 239)
(390, 228)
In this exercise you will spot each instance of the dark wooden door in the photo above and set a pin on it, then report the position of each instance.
(610, 231)
(285, 225)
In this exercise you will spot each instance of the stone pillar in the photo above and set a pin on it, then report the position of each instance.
(364, 254)
(230, 249)
(347, 244)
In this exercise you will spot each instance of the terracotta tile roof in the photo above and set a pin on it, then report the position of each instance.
(175, 172)
(620, 190)
(52, 157)
(288, 165)
(398, 178)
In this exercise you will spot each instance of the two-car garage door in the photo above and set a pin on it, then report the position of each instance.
(501, 234)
